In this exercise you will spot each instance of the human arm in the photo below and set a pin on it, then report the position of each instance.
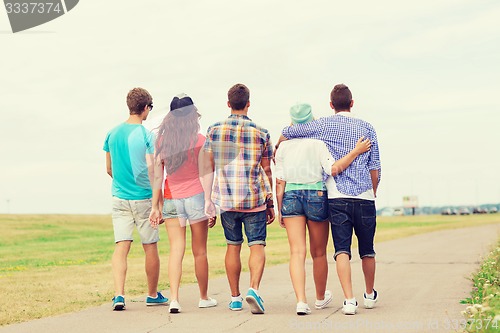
(280, 190)
(312, 130)
(374, 162)
(266, 165)
(362, 145)
(155, 217)
(206, 168)
(108, 164)
(375, 176)
(280, 140)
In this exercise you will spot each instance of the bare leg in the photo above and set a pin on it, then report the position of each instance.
(233, 268)
(199, 234)
(177, 240)
(256, 263)
(344, 272)
(318, 240)
(152, 266)
(368, 264)
(119, 265)
(296, 231)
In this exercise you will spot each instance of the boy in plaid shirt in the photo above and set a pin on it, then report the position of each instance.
(236, 176)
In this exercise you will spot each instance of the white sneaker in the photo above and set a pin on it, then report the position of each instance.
(303, 309)
(321, 304)
(207, 303)
(349, 308)
(175, 307)
(370, 302)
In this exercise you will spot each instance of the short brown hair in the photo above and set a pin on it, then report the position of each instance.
(341, 97)
(238, 96)
(137, 99)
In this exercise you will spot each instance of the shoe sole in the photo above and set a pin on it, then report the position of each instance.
(254, 305)
(118, 307)
(235, 309)
(207, 306)
(303, 313)
(156, 304)
(349, 313)
(175, 311)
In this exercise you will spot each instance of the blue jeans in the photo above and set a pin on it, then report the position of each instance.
(347, 215)
(312, 204)
(255, 227)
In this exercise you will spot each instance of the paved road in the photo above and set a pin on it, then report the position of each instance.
(420, 280)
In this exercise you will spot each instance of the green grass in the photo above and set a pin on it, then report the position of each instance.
(45, 258)
(483, 311)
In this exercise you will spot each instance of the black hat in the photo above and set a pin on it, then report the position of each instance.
(182, 105)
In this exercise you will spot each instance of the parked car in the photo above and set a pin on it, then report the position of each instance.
(446, 211)
(464, 211)
(398, 211)
(479, 210)
(493, 210)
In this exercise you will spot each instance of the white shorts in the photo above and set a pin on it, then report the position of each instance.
(129, 213)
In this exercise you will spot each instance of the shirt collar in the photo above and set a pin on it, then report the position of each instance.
(239, 116)
(345, 114)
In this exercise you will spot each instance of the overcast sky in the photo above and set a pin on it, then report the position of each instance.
(424, 73)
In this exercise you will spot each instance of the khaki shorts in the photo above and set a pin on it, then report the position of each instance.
(127, 214)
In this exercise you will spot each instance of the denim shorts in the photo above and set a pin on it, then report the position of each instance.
(255, 227)
(347, 215)
(127, 214)
(191, 208)
(312, 204)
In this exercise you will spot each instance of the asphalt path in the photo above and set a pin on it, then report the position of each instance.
(421, 280)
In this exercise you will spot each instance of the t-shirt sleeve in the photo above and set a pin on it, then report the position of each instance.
(106, 144)
(326, 158)
(268, 149)
(312, 130)
(150, 143)
(207, 145)
(278, 166)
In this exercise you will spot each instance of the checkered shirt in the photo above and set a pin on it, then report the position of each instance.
(238, 145)
(340, 133)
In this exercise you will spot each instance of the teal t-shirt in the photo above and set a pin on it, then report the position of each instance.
(128, 145)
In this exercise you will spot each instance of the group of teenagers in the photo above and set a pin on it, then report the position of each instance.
(326, 171)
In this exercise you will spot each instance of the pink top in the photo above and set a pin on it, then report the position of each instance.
(185, 181)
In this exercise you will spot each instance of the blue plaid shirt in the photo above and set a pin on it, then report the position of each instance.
(340, 132)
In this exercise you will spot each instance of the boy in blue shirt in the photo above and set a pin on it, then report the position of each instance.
(129, 151)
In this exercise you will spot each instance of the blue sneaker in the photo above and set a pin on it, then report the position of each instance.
(236, 305)
(255, 302)
(118, 303)
(158, 300)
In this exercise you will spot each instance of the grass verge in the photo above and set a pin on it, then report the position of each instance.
(53, 264)
(483, 311)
